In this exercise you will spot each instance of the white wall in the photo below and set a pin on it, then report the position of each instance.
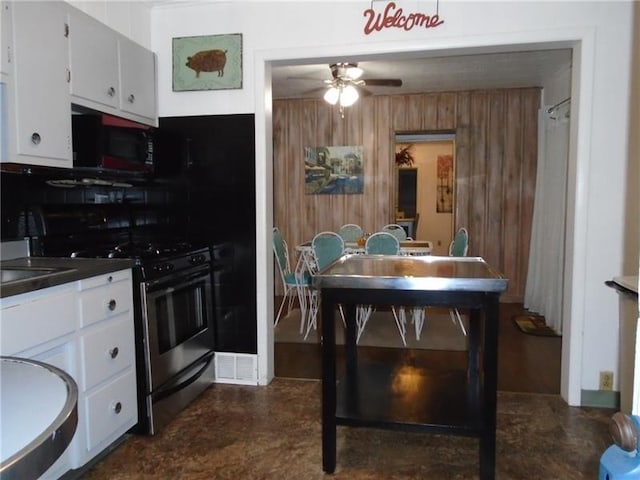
(601, 35)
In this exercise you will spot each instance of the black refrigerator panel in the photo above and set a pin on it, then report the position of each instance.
(215, 157)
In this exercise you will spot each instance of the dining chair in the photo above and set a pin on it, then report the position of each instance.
(397, 231)
(380, 243)
(292, 284)
(459, 247)
(418, 314)
(327, 248)
(350, 232)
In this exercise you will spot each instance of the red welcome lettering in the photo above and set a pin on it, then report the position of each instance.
(392, 18)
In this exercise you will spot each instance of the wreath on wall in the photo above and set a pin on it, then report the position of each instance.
(404, 157)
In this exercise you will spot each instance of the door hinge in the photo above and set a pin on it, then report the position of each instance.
(66, 30)
(68, 76)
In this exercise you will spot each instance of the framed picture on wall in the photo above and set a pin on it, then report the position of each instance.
(445, 184)
(211, 62)
(336, 170)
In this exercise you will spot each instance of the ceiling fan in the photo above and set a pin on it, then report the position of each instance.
(350, 73)
(347, 84)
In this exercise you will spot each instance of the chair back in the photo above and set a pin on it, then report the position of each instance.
(281, 251)
(460, 244)
(327, 248)
(350, 232)
(395, 230)
(382, 243)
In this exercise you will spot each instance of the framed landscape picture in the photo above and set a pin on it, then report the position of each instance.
(333, 170)
(212, 62)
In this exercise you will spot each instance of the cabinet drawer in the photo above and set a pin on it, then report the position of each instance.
(108, 301)
(111, 410)
(107, 350)
(104, 280)
(37, 319)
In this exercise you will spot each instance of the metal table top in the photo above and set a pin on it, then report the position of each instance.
(411, 273)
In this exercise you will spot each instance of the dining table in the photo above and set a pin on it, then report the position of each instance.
(306, 263)
(442, 400)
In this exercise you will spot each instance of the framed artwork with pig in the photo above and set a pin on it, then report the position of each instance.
(211, 62)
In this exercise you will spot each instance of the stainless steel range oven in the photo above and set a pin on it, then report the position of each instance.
(173, 300)
(175, 338)
(174, 325)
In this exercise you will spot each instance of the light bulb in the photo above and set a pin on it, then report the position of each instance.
(354, 73)
(348, 96)
(332, 95)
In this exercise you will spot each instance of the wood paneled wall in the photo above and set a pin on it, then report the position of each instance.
(495, 152)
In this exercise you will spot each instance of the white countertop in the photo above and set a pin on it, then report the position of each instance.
(35, 405)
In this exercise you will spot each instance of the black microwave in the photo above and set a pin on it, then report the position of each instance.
(112, 143)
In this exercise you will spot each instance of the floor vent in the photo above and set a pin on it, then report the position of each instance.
(239, 368)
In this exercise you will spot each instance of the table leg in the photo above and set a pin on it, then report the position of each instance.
(328, 384)
(474, 375)
(490, 366)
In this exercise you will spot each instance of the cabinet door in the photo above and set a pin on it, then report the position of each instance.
(94, 61)
(5, 38)
(42, 100)
(137, 72)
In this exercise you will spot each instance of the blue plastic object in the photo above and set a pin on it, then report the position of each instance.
(618, 464)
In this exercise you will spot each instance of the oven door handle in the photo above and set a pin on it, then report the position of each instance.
(162, 394)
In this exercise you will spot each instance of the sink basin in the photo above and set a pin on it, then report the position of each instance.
(15, 274)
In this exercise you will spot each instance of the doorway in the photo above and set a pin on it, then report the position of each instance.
(425, 188)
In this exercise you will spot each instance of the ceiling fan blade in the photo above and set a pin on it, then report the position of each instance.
(382, 82)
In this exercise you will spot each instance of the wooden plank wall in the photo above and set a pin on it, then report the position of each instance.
(495, 151)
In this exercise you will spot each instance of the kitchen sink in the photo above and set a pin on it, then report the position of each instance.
(16, 274)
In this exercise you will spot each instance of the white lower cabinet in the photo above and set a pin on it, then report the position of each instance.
(110, 410)
(85, 328)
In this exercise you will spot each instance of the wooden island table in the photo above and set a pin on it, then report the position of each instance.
(455, 402)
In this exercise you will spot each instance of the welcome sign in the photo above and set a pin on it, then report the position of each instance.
(394, 17)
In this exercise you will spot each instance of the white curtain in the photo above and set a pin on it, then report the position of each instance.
(544, 288)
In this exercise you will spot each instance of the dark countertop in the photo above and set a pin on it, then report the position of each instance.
(44, 272)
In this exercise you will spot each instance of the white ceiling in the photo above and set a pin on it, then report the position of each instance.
(432, 74)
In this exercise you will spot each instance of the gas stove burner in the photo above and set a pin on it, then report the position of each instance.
(138, 250)
(127, 250)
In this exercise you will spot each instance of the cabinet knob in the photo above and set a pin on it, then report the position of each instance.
(117, 407)
(111, 92)
(35, 138)
(113, 353)
(112, 304)
(131, 98)
(110, 279)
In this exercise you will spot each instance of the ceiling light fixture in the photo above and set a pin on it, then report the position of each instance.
(342, 94)
(342, 90)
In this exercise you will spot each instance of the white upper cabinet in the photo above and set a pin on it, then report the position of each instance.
(94, 62)
(138, 79)
(5, 38)
(41, 105)
(109, 72)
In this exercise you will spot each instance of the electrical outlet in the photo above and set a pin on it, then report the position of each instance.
(606, 381)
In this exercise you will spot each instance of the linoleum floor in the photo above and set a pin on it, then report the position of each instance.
(274, 432)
